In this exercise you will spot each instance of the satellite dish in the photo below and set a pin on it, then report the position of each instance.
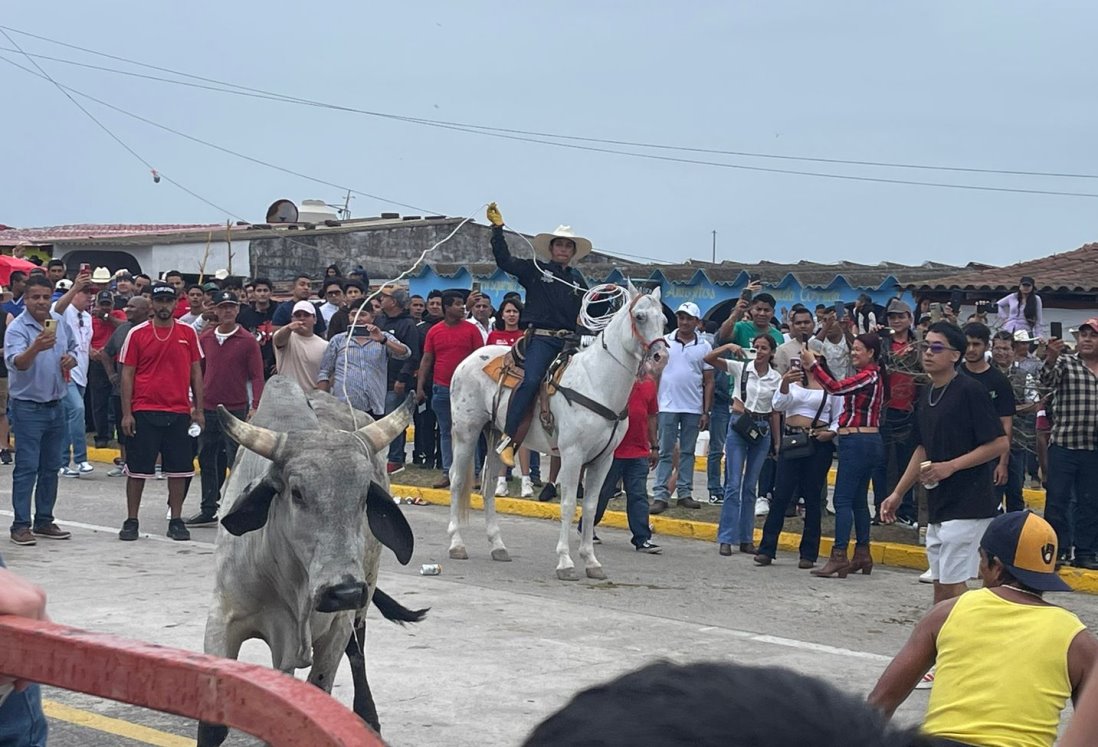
(282, 211)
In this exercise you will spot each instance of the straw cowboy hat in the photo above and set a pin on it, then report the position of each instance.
(101, 275)
(543, 240)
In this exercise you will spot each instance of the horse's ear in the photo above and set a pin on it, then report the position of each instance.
(656, 293)
(630, 287)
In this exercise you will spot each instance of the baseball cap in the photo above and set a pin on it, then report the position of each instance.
(225, 297)
(1022, 335)
(1026, 280)
(1026, 544)
(104, 297)
(1092, 323)
(162, 290)
(305, 306)
(64, 284)
(210, 287)
(690, 309)
(896, 306)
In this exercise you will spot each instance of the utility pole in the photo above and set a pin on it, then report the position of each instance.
(714, 246)
(347, 206)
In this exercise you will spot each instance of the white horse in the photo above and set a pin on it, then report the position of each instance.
(603, 373)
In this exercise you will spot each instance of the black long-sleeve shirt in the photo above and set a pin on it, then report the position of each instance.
(549, 304)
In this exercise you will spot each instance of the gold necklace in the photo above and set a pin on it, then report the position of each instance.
(158, 337)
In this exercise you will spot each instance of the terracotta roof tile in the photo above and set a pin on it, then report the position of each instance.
(49, 234)
(1074, 271)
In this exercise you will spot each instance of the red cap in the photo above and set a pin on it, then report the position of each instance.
(1092, 323)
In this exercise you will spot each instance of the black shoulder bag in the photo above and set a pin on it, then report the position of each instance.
(745, 424)
(798, 443)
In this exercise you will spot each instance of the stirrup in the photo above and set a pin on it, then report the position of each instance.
(506, 451)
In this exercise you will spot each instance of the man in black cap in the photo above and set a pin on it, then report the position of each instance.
(1007, 660)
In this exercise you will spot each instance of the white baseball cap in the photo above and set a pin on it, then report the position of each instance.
(305, 306)
(689, 308)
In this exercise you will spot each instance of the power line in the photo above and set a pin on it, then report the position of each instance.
(107, 130)
(499, 131)
(258, 161)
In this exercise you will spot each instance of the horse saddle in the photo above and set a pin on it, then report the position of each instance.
(508, 373)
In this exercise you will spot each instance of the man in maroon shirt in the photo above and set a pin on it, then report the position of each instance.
(447, 344)
(230, 360)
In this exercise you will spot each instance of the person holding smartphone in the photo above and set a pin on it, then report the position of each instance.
(39, 351)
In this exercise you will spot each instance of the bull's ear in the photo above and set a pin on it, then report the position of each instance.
(388, 524)
(250, 510)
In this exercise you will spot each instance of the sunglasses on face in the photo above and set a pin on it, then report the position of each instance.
(936, 348)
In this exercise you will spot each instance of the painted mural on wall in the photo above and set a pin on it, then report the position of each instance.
(713, 298)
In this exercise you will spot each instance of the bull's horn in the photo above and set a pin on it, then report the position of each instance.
(253, 438)
(380, 434)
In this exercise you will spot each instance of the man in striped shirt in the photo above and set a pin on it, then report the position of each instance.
(1073, 451)
(354, 367)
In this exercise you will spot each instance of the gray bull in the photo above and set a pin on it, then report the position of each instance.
(298, 559)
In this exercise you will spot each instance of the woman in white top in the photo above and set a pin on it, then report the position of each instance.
(1023, 310)
(751, 387)
(812, 412)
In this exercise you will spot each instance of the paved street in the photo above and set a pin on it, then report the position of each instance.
(505, 643)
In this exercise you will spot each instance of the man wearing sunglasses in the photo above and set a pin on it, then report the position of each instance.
(957, 437)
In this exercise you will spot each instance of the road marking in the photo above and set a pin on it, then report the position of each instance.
(114, 530)
(115, 726)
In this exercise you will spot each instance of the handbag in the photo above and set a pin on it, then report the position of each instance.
(745, 425)
(798, 443)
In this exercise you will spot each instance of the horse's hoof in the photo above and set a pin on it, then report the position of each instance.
(567, 574)
(501, 554)
(458, 553)
(596, 572)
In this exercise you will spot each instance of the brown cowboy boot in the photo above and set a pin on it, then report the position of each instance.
(837, 564)
(862, 560)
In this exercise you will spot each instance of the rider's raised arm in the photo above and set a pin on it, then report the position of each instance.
(522, 269)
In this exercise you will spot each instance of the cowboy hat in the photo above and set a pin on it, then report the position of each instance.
(1022, 335)
(543, 240)
(101, 275)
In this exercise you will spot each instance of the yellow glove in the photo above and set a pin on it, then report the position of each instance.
(493, 215)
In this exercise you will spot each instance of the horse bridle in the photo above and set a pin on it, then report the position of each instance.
(646, 345)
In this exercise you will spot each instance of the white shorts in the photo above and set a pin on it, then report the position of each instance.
(953, 549)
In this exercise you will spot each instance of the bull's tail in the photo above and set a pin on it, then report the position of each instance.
(393, 610)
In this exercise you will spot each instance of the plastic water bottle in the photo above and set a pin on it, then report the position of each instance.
(928, 485)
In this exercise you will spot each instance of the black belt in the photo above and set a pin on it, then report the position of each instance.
(50, 403)
(550, 332)
(758, 415)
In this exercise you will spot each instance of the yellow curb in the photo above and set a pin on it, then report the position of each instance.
(893, 554)
(1034, 499)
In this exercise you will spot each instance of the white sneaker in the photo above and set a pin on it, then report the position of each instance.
(118, 471)
(927, 577)
(762, 506)
(527, 487)
(85, 468)
(501, 487)
(168, 516)
(68, 472)
(927, 681)
(159, 474)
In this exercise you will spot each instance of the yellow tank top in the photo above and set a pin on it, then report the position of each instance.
(1002, 673)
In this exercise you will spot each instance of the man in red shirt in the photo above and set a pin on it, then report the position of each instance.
(638, 452)
(230, 359)
(447, 344)
(160, 368)
(104, 321)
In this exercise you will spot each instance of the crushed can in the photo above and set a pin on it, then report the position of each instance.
(430, 569)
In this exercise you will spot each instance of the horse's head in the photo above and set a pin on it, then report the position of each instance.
(644, 326)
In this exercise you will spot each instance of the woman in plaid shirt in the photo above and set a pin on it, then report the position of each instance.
(860, 450)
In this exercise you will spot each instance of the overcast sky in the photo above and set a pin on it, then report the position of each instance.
(986, 84)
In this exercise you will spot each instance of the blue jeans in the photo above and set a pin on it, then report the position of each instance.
(540, 352)
(718, 432)
(633, 474)
(860, 454)
(1072, 471)
(440, 403)
(742, 463)
(75, 436)
(39, 430)
(535, 465)
(683, 428)
(397, 447)
(1016, 475)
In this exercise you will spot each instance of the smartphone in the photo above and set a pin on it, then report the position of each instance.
(840, 311)
(50, 324)
(84, 267)
(884, 332)
(747, 295)
(956, 298)
(1056, 330)
(805, 337)
(936, 312)
(795, 363)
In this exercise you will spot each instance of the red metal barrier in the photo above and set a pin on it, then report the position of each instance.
(258, 700)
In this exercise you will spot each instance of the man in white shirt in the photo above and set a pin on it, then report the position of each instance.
(73, 308)
(685, 395)
(331, 291)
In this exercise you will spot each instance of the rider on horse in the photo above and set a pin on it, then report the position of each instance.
(554, 293)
